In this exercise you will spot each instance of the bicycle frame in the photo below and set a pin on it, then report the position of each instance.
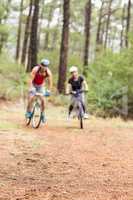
(78, 107)
(38, 97)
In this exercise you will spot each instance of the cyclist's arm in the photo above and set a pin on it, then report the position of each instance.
(50, 79)
(85, 86)
(68, 88)
(32, 76)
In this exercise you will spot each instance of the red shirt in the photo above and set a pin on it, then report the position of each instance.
(40, 78)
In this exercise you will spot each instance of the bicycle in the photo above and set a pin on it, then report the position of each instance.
(78, 106)
(36, 117)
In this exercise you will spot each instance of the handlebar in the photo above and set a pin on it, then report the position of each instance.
(42, 94)
(39, 94)
(75, 93)
(78, 92)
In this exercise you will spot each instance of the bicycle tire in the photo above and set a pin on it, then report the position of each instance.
(81, 122)
(81, 114)
(28, 121)
(36, 126)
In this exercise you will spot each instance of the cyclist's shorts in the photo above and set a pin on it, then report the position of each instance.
(36, 89)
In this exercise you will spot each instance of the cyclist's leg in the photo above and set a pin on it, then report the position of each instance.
(31, 95)
(43, 103)
(30, 101)
(82, 102)
(42, 91)
(86, 116)
(70, 109)
(72, 101)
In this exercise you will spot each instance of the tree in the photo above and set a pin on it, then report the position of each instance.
(33, 46)
(123, 27)
(128, 21)
(4, 28)
(50, 15)
(98, 34)
(19, 31)
(27, 33)
(41, 17)
(108, 23)
(64, 47)
(87, 31)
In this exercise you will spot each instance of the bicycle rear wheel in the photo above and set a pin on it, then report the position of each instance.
(36, 119)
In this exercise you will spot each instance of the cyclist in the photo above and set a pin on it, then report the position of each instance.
(39, 75)
(76, 83)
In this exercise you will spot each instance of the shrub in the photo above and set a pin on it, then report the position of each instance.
(13, 80)
(110, 81)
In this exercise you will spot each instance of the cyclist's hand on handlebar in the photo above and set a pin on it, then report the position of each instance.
(73, 92)
(47, 93)
(32, 89)
(70, 93)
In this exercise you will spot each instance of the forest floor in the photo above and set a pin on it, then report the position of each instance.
(61, 162)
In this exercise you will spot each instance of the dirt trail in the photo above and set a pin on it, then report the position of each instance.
(61, 162)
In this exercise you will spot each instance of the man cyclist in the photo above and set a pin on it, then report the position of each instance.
(76, 83)
(39, 75)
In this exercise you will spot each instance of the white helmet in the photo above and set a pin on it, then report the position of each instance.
(45, 62)
(73, 69)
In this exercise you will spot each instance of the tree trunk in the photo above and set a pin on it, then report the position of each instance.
(122, 31)
(46, 42)
(33, 50)
(3, 37)
(27, 33)
(98, 37)
(40, 24)
(128, 21)
(19, 31)
(54, 39)
(108, 23)
(64, 47)
(87, 31)
(2, 42)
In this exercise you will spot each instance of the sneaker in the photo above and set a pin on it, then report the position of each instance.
(28, 115)
(43, 119)
(86, 116)
(68, 118)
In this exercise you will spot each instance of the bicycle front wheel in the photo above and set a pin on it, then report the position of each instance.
(36, 119)
(81, 116)
(81, 122)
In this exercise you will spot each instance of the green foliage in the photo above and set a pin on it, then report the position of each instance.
(2, 11)
(53, 56)
(110, 78)
(4, 30)
(13, 80)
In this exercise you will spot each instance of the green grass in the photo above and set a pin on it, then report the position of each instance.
(12, 78)
(6, 125)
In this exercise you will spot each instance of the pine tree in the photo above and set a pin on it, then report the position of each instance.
(64, 47)
(33, 46)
